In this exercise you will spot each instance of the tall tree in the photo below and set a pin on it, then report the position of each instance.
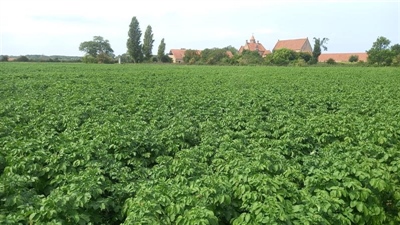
(232, 49)
(396, 53)
(133, 44)
(148, 43)
(380, 52)
(161, 50)
(395, 49)
(318, 43)
(97, 46)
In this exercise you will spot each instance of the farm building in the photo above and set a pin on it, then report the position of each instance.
(297, 45)
(254, 45)
(177, 55)
(342, 57)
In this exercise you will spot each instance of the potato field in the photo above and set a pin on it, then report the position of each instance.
(173, 144)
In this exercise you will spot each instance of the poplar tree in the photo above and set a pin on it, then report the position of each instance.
(161, 50)
(133, 44)
(148, 43)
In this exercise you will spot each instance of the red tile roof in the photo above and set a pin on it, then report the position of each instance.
(293, 44)
(178, 53)
(342, 57)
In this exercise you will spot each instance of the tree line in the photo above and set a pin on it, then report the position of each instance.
(281, 57)
(99, 49)
(380, 54)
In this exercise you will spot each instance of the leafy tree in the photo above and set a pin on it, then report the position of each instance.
(22, 59)
(4, 58)
(380, 53)
(396, 53)
(148, 43)
(353, 58)
(283, 56)
(192, 56)
(318, 43)
(214, 56)
(133, 44)
(305, 56)
(232, 49)
(125, 58)
(161, 50)
(250, 58)
(97, 46)
(268, 59)
(395, 49)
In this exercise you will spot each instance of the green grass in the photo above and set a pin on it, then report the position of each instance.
(168, 144)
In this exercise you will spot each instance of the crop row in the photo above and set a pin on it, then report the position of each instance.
(153, 144)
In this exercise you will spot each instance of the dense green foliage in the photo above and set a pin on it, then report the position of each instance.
(283, 56)
(221, 56)
(134, 44)
(214, 56)
(382, 54)
(97, 51)
(163, 144)
(161, 56)
(318, 44)
(249, 58)
(148, 42)
(353, 58)
(192, 56)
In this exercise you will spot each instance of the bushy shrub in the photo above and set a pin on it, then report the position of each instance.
(89, 59)
(300, 62)
(305, 56)
(166, 59)
(353, 58)
(104, 58)
(283, 57)
(330, 61)
(250, 58)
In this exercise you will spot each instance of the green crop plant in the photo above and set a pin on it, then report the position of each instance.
(165, 144)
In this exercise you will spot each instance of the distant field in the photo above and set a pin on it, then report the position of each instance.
(167, 144)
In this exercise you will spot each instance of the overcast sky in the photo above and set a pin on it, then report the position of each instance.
(58, 27)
